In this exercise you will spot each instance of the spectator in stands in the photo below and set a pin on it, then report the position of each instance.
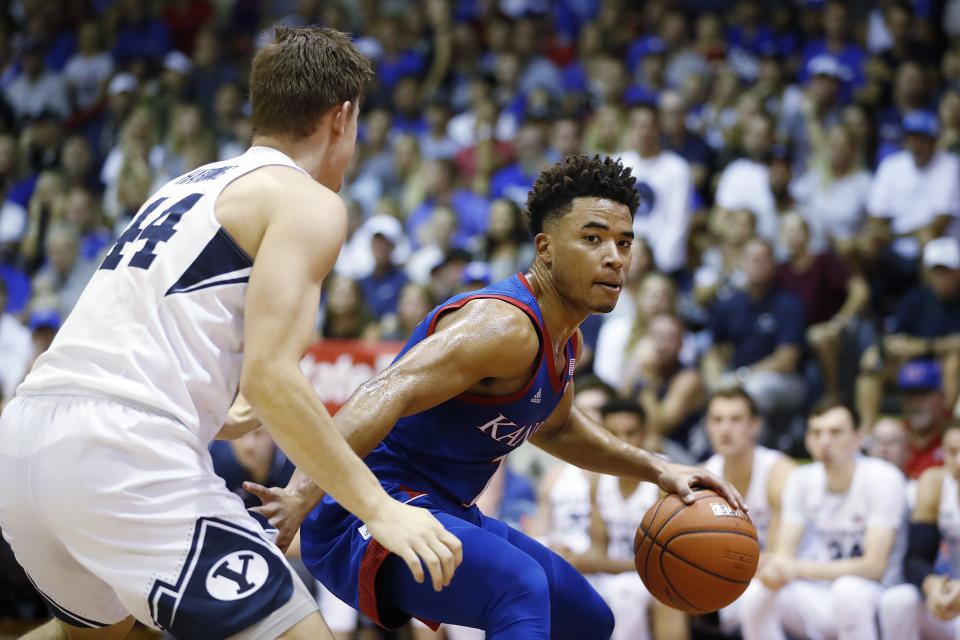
(602, 133)
(925, 414)
(832, 195)
(381, 288)
(926, 324)
(37, 89)
(66, 273)
(745, 183)
(665, 186)
(915, 195)
(413, 305)
(345, 313)
(506, 245)
(849, 512)
(720, 272)
(758, 336)
(889, 441)
(911, 92)
(819, 109)
(685, 143)
(622, 335)
(515, 181)
(88, 70)
(141, 36)
(435, 142)
(210, 70)
(833, 297)
(78, 165)
(670, 392)
(837, 42)
(81, 209)
(441, 190)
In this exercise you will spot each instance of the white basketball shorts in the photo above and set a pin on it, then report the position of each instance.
(114, 511)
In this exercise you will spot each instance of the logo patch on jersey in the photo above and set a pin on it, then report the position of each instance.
(536, 397)
(237, 575)
(573, 364)
(230, 579)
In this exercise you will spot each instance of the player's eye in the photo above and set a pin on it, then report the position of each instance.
(591, 237)
(626, 244)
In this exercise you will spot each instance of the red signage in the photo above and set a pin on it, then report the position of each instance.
(336, 368)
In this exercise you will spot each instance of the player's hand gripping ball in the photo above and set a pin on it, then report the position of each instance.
(696, 557)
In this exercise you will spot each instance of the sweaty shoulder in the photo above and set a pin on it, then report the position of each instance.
(249, 204)
(493, 329)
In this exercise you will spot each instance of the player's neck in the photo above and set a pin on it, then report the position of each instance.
(840, 476)
(309, 153)
(560, 318)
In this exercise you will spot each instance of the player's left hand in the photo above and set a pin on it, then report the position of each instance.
(284, 508)
(681, 479)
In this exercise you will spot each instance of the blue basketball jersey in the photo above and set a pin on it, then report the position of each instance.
(454, 448)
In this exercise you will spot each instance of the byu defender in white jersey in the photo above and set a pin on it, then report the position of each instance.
(928, 605)
(733, 427)
(848, 512)
(107, 491)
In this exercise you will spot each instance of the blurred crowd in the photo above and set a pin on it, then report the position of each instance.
(799, 224)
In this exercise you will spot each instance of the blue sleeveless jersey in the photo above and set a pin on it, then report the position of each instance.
(440, 459)
(454, 448)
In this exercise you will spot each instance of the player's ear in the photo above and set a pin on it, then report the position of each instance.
(544, 248)
(341, 117)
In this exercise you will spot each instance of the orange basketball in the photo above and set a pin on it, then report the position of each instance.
(696, 557)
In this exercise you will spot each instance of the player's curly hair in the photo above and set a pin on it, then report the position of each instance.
(575, 177)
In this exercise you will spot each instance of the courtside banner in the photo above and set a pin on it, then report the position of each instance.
(336, 368)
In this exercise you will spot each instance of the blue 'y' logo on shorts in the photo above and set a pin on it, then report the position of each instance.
(231, 579)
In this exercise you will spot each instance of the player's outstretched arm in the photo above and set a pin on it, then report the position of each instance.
(571, 435)
(486, 338)
(299, 244)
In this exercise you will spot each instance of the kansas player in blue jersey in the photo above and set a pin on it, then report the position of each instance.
(483, 373)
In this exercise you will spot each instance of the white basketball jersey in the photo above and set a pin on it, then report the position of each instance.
(757, 495)
(622, 516)
(836, 523)
(570, 509)
(948, 521)
(160, 324)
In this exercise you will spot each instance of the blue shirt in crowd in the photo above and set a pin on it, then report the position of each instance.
(757, 327)
(921, 313)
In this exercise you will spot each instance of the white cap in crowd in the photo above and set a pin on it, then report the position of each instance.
(942, 252)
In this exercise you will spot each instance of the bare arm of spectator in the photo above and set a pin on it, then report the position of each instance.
(858, 296)
(784, 359)
(714, 364)
(684, 395)
(438, 14)
(933, 230)
(906, 347)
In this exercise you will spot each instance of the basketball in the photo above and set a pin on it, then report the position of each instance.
(696, 557)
